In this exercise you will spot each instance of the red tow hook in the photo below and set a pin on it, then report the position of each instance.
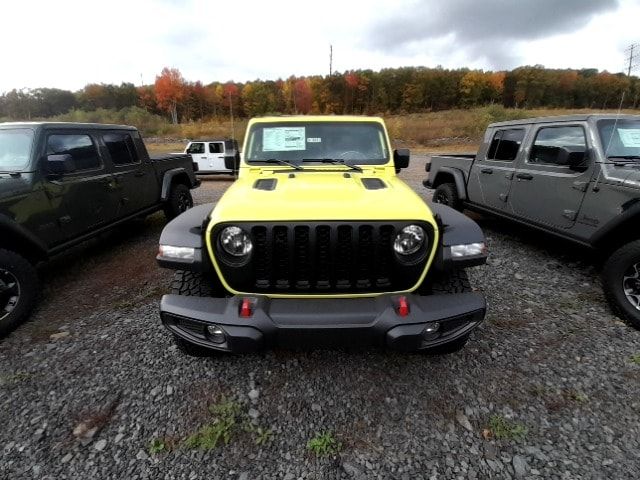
(403, 307)
(245, 308)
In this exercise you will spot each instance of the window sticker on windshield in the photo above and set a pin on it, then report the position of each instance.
(314, 140)
(630, 136)
(283, 139)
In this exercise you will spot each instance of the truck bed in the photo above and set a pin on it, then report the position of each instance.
(459, 161)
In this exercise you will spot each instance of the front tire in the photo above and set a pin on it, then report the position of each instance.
(179, 201)
(18, 290)
(451, 282)
(447, 194)
(193, 284)
(621, 282)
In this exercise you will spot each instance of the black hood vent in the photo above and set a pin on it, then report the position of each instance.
(266, 184)
(373, 184)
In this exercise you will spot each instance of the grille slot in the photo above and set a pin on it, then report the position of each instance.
(324, 258)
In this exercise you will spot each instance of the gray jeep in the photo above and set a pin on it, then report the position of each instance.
(576, 177)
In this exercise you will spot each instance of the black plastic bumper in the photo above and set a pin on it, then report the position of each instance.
(318, 323)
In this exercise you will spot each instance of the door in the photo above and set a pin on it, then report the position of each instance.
(545, 189)
(216, 157)
(133, 176)
(199, 155)
(492, 172)
(86, 198)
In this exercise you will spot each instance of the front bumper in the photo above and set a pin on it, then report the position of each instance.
(318, 323)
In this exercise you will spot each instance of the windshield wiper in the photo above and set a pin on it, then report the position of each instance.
(282, 162)
(625, 157)
(333, 161)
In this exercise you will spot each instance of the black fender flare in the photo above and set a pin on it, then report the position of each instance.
(458, 178)
(188, 230)
(17, 238)
(456, 229)
(615, 228)
(167, 180)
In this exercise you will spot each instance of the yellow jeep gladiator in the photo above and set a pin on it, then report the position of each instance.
(319, 244)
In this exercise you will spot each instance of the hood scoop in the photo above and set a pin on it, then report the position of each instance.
(267, 184)
(373, 184)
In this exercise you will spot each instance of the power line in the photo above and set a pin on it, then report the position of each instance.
(633, 54)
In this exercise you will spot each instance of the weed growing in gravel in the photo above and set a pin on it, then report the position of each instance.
(229, 421)
(635, 358)
(222, 428)
(15, 378)
(502, 428)
(324, 444)
(156, 446)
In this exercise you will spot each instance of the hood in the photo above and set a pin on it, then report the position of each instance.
(317, 196)
(633, 179)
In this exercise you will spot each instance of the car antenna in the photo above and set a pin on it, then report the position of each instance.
(233, 135)
(606, 150)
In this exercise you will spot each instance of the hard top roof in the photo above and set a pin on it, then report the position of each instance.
(565, 118)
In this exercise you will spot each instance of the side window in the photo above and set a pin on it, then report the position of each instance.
(80, 147)
(215, 147)
(196, 148)
(560, 146)
(121, 148)
(506, 145)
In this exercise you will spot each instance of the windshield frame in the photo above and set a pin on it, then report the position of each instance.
(19, 167)
(311, 159)
(608, 149)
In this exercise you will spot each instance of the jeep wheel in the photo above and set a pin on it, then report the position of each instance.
(621, 282)
(455, 281)
(18, 290)
(192, 284)
(179, 201)
(447, 194)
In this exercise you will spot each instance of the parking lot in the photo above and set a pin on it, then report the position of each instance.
(549, 387)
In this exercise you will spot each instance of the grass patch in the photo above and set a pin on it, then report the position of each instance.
(502, 428)
(17, 377)
(156, 446)
(323, 445)
(229, 421)
(635, 359)
(222, 429)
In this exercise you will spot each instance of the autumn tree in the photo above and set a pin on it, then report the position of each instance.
(170, 90)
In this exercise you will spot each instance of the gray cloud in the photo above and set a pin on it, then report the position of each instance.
(484, 28)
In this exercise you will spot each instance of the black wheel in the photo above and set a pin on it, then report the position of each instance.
(455, 281)
(18, 290)
(447, 194)
(621, 282)
(179, 200)
(193, 284)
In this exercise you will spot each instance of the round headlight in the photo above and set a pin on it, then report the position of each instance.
(409, 240)
(235, 241)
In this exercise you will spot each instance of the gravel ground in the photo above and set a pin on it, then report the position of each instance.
(92, 386)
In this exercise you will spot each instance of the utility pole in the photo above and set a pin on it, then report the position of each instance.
(330, 60)
(633, 54)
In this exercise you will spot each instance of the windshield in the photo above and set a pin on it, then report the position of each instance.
(362, 143)
(620, 138)
(15, 148)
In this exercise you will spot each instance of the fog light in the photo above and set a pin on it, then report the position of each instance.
(216, 334)
(431, 331)
(468, 250)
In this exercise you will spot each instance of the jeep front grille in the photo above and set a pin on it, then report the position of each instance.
(323, 258)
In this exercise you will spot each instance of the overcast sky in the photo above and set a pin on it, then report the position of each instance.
(67, 43)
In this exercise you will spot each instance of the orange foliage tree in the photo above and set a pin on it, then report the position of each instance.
(170, 90)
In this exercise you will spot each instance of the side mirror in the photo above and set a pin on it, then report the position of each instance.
(401, 158)
(574, 158)
(232, 160)
(60, 164)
